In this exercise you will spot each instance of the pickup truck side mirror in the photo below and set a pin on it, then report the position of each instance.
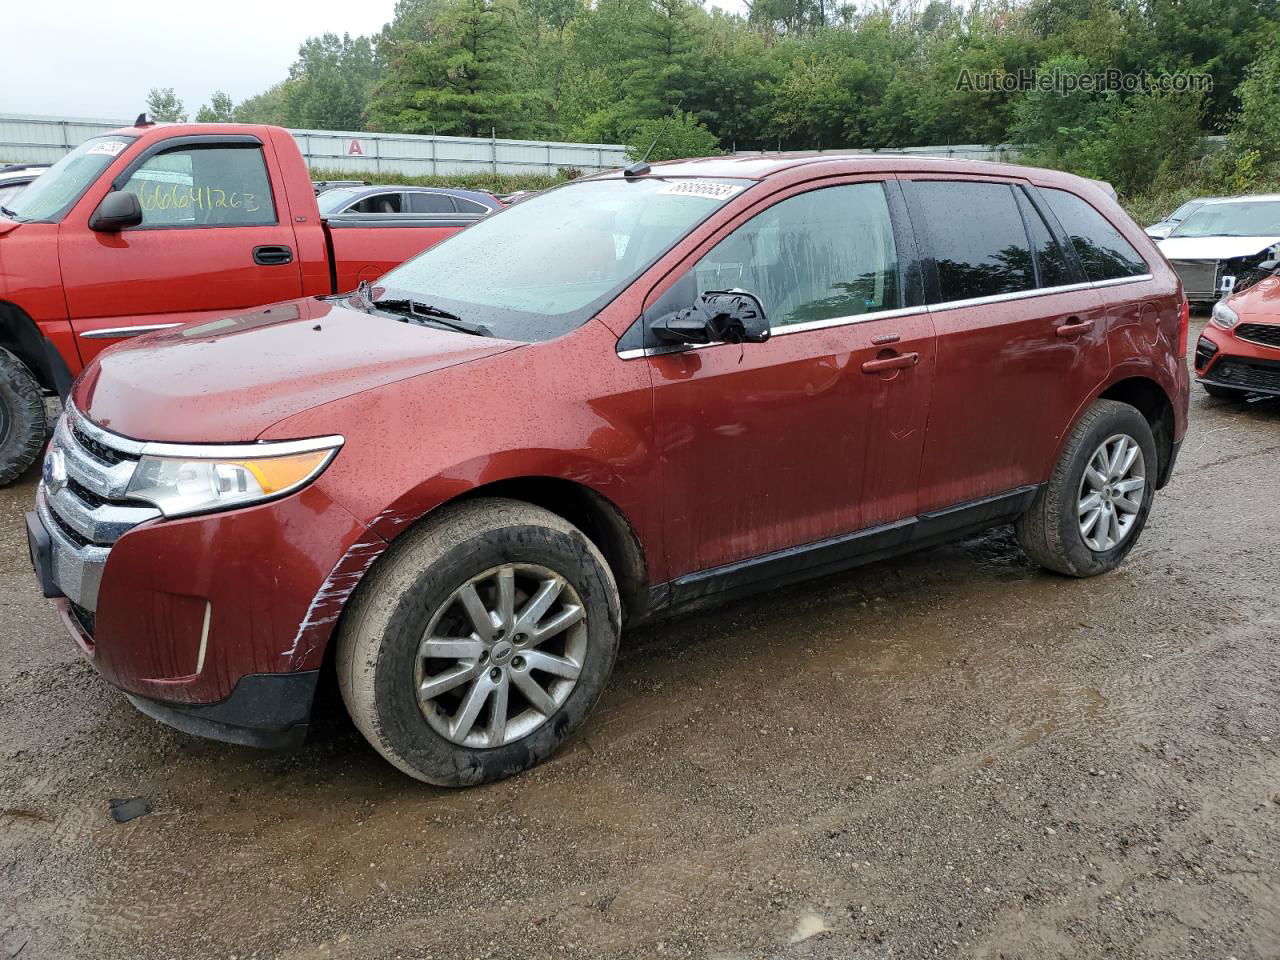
(718, 316)
(118, 209)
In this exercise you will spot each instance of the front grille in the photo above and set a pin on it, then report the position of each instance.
(99, 451)
(1263, 375)
(87, 496)
(1199, 278)
(1205, 351)
(68, 531)
(1264, 334)
(85, 618)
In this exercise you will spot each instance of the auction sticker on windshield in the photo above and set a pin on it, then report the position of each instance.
(711, 189)
(111, 148)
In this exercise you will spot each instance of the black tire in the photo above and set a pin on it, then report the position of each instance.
(1224, 393)
(1050, 530)
(23, 424)
(378, 639)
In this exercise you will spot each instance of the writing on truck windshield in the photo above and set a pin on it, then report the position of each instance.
(548, 264)
(52, 194)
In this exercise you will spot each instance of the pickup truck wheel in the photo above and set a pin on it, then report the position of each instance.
(23, 423)
(479, 642)
(1089, 515)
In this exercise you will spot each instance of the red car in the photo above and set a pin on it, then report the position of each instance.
(150, 226)
(625, 397)
(1238, 353)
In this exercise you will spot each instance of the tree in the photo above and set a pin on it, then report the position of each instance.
(219, 109)
(164, 106)
(671, 138)
(266, 107)
(1258, 126)
(458, 77)
(330, 83)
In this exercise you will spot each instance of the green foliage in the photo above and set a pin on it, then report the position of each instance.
(266, 107)
(671, 138)
(163, 106)
(219, 109)
(330, 83)
(1258, 128)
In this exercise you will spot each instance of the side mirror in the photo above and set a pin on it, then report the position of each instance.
(718, 316)
(118, 209)
(1268, 265)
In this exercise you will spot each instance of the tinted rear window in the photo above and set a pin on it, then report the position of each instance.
(430, 203)
(976, 237)
(1104, 253)
(1055, 268)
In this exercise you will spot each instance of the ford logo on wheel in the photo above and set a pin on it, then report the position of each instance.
(54, 473)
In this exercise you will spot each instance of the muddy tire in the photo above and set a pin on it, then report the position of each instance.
(23, 424)
(478, 642)
(1224, 393)
(1110, 452)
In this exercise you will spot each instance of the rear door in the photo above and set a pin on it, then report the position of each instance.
(215, 237)
(817, 432)
(1021, 338)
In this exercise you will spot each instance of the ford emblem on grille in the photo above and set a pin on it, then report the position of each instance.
(54, 473)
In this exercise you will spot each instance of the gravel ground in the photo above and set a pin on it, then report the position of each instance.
(952, 754)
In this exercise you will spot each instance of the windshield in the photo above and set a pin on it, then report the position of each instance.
(545, 266)
(51, 195)
(331, 201)
(1184, 211)
(1256, 219)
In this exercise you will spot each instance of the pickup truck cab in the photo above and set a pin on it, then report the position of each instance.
(150, 226)
(628, 396)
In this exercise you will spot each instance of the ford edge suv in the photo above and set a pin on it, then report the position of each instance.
(632, 395)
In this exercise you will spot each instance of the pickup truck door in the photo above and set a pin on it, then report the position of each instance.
(817, 432)
(215, 238)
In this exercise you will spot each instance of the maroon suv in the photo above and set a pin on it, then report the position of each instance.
(614, 400)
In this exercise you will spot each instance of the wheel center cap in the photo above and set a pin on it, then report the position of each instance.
(502, 652)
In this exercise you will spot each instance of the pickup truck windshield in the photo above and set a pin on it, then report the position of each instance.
(51, 195)
(548, 264)
(1258, 218)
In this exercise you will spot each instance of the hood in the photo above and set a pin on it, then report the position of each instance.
(1214, 248)
(228, 380)
(8, 226)
(1260, 303)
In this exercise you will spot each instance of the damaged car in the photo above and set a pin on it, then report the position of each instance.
(1238, 353)
(1221, 241)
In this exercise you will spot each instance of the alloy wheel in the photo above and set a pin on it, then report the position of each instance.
(501, 655)
(1111, 493)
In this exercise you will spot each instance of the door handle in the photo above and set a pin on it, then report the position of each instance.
(272, 256)
(1074, 327)
(891, 363)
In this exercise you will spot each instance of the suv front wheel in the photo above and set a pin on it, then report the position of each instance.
(479, 642)
(1089, 515)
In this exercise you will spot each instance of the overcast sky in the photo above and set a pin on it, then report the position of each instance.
(97, 58)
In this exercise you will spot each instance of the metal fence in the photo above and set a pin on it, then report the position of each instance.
(39, 139)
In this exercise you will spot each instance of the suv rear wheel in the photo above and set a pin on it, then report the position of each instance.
(22, 418)
(479, 642)
(1089, 515)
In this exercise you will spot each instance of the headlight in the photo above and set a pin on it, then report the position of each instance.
(1224, 317)
(182, 480)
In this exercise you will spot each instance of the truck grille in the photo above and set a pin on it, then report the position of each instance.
(1199, 278)
(1264, 334)
(81, 500)
(1260, 375)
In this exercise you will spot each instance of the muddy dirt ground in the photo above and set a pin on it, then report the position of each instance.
(952, 754)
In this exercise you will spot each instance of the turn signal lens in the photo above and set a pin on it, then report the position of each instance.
(181, 485)
(1223, 316)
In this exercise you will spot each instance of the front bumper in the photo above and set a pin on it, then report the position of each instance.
(1225, 360)
(181, 613)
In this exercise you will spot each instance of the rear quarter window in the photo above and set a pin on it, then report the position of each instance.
(1103, 251)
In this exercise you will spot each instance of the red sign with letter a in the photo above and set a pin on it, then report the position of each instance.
(355, 150)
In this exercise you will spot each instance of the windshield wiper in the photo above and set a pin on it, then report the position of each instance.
(417, 310)
(12, 214)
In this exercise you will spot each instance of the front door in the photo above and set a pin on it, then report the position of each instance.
(818, 431)
(213, 239)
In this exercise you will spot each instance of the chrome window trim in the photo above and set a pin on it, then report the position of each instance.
(1120, 281)
(107, 333)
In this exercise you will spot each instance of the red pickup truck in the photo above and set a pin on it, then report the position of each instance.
(153, 225)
